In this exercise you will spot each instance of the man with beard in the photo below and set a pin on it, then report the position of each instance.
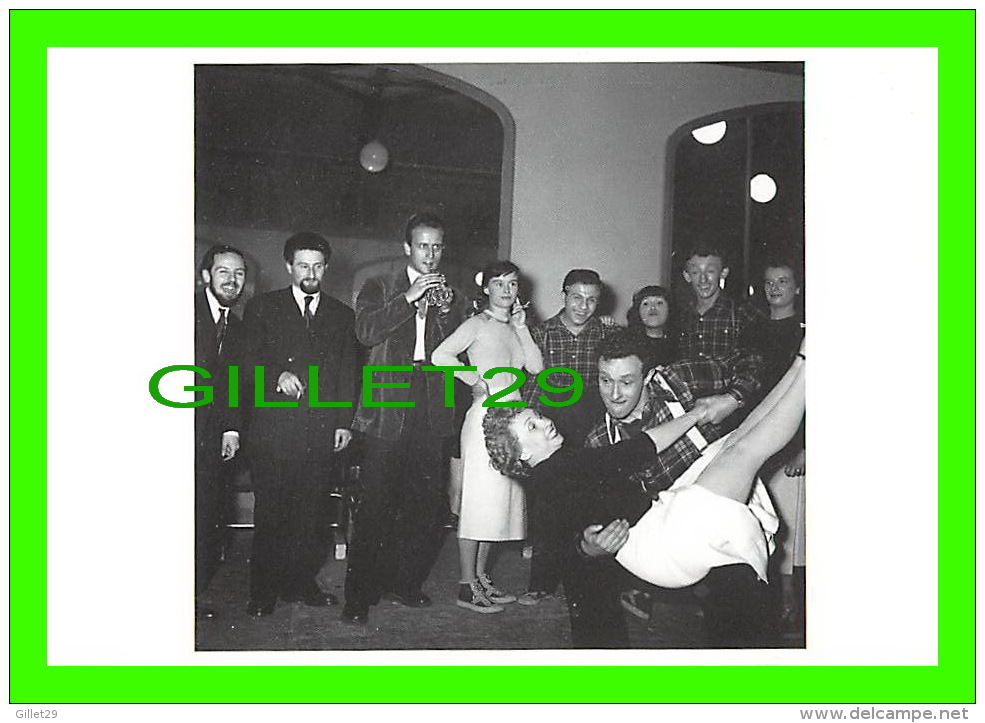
(218, 335)
(402, 508)
(301, 346)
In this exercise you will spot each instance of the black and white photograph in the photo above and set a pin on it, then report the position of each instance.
(441, 356)
(503, 356)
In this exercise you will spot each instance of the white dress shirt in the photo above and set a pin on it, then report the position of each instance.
(419, 352)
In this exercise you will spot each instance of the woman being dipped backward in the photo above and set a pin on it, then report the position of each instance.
(716, 514)
(493, 505)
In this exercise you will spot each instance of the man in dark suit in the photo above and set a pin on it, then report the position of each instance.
(303, 340)
(218, 336)
(401, 511)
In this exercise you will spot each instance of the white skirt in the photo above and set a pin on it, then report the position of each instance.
(688, 530)
(494, 507)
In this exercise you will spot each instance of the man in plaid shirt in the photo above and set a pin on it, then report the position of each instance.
(637, 399)
(569, 339)
(714, 326)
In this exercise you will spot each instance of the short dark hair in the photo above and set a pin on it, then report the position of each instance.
(501, 444)
(622, 344)
(783, 261)
(581, 276)
(706, 247)
(306, 241)
(497, 268)
(422, 220)
(209, 258)
(633, 315)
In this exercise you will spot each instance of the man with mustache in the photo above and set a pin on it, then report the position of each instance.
(293, 333)
(218, 335)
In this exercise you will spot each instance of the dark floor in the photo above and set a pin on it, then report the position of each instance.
(677, 621)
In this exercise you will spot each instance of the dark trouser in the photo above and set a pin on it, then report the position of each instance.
(591, 588)
(290, 514)
(398, 524)
(210, 482)
(738, 610)
(545, 536)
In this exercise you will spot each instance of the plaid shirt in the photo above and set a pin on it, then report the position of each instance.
(561, 348)
(685, 382)
(721, 333)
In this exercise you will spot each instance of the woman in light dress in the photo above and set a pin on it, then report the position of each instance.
(493, 505)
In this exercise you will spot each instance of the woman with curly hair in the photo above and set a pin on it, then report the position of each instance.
(717, 514)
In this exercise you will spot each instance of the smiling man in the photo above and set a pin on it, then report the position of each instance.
(714, 326)
(218, 335)
(569, 339)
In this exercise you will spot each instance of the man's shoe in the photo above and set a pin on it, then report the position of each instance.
(261, 608)
(354, 615)
(534, 597)
(472, 597)
(493, 593)
(410, 599)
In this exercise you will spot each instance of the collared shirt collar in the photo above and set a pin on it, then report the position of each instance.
(420, 323)
(721, 300)
(556, 323)
(299, 299)
(646, 414)
(214, 305)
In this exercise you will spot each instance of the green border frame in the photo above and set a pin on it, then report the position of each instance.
(952, 32)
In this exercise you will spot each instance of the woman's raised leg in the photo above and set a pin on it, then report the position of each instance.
(732, 473)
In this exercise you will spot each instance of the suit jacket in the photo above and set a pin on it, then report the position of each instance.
(213, 419)
(278, 341)
(385, 323)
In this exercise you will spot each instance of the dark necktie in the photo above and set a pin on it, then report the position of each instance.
(308, 316)
(630, 430)
(220, 329)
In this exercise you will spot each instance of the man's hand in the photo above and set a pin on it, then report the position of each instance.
(718, 407)
(797, 467)
(289, 384)
(342, 439)
(598, 541)
(608, 320)
(230, 445)
(421, 286)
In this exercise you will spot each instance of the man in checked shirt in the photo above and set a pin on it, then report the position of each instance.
(569, 339)
(637, 399)
(714, 326)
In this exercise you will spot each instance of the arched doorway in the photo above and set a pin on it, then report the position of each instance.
(281, 148)
(736, 179)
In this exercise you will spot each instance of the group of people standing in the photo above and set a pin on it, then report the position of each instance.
(675, 384)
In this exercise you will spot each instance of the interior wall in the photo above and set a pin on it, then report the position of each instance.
(591, 144)
(353, 260)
